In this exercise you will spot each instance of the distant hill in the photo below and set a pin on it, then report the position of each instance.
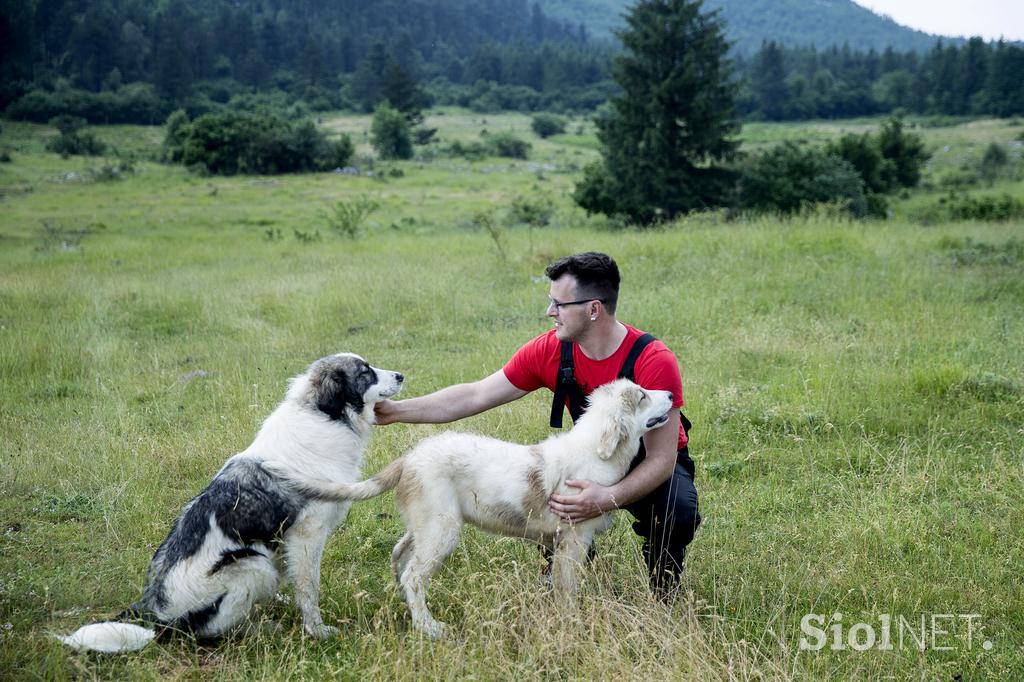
(822, 23)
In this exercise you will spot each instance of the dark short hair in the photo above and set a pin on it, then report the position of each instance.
(596, 273)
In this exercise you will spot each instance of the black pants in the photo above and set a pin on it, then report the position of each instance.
(667, 519)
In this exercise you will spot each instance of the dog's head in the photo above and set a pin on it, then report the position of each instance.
(343, 386)
(622, 412)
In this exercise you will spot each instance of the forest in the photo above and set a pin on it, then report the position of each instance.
(125, 61)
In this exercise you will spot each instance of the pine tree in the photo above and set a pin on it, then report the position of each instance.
(672, 121)
(367, 81)
(402, 93)
(769, 78)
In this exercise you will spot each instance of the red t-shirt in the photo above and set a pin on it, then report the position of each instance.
(536, 365)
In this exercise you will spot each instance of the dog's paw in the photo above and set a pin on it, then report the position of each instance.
(322, 631)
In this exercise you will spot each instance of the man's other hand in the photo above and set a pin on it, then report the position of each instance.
(592, 501)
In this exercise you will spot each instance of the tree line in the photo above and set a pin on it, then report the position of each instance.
(976, 78)
(127, 61)
(199, 54)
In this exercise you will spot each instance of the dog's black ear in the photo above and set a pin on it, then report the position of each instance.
(334, 393)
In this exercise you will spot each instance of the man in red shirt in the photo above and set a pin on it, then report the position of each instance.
(659, 489)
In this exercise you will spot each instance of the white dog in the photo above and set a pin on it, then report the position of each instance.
(228, 547)
(452, 478)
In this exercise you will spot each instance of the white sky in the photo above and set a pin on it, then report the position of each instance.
(990, 19)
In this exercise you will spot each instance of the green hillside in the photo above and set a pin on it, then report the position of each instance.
(822, 23)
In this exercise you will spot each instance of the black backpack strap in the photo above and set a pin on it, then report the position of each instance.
(628, 366)
(566, 387)
(626, 371)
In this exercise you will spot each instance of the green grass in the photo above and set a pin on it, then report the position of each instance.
(856, 392)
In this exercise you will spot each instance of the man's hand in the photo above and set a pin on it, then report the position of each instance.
(592, 501)
(385, 412)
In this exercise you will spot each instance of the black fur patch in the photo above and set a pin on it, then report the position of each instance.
(233, 556)
(195, 620)
(248, 505)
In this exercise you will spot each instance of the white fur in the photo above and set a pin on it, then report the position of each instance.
(109, 638)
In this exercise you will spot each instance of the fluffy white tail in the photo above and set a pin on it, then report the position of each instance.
(385, 480)
(110, 637)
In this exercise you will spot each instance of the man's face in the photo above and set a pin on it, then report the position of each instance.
(571, 321)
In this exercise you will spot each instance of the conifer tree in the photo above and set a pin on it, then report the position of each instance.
(769, 77)
(672, 121)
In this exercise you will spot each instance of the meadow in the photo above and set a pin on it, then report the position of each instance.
(856, 390)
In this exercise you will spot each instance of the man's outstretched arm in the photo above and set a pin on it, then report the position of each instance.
(451, 403)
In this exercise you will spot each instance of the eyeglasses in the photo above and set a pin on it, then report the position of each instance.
(558, 305)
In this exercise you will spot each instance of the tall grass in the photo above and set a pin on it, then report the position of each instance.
(856, 392)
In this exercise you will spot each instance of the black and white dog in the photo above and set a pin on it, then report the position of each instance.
(229, 546)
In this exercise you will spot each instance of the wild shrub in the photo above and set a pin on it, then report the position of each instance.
(508, 145)
(422, 136)
(886, 162)
(112, 172)
(958, 206)
(594, 192)
(904, 150)
(132, 103)
(347, 217)
(390, 134)
(789, 177)
(73, 139)
(233, 142)
(532, 210)
(484, 220)
(863, 153)
(993, 162)
(546, 125)
(175, 131)
(474, 151)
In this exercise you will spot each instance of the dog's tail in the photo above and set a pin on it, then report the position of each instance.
(110, 637)
(385, 480)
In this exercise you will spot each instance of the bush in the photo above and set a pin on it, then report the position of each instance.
(73, 140)
(422, 136)
(112, 172)
(993, 162)
(863, 153)
(488, 97)
(176, 129)
(132, 103)
(507, 145)
(546, 125)
(389, 133)
(346, 217)
(789, 177)
(535, 211)
(593, 193)
(904, 150)
(233, 142)
(335, 154)
(956, 207)
(67, 124)
(474, 151)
